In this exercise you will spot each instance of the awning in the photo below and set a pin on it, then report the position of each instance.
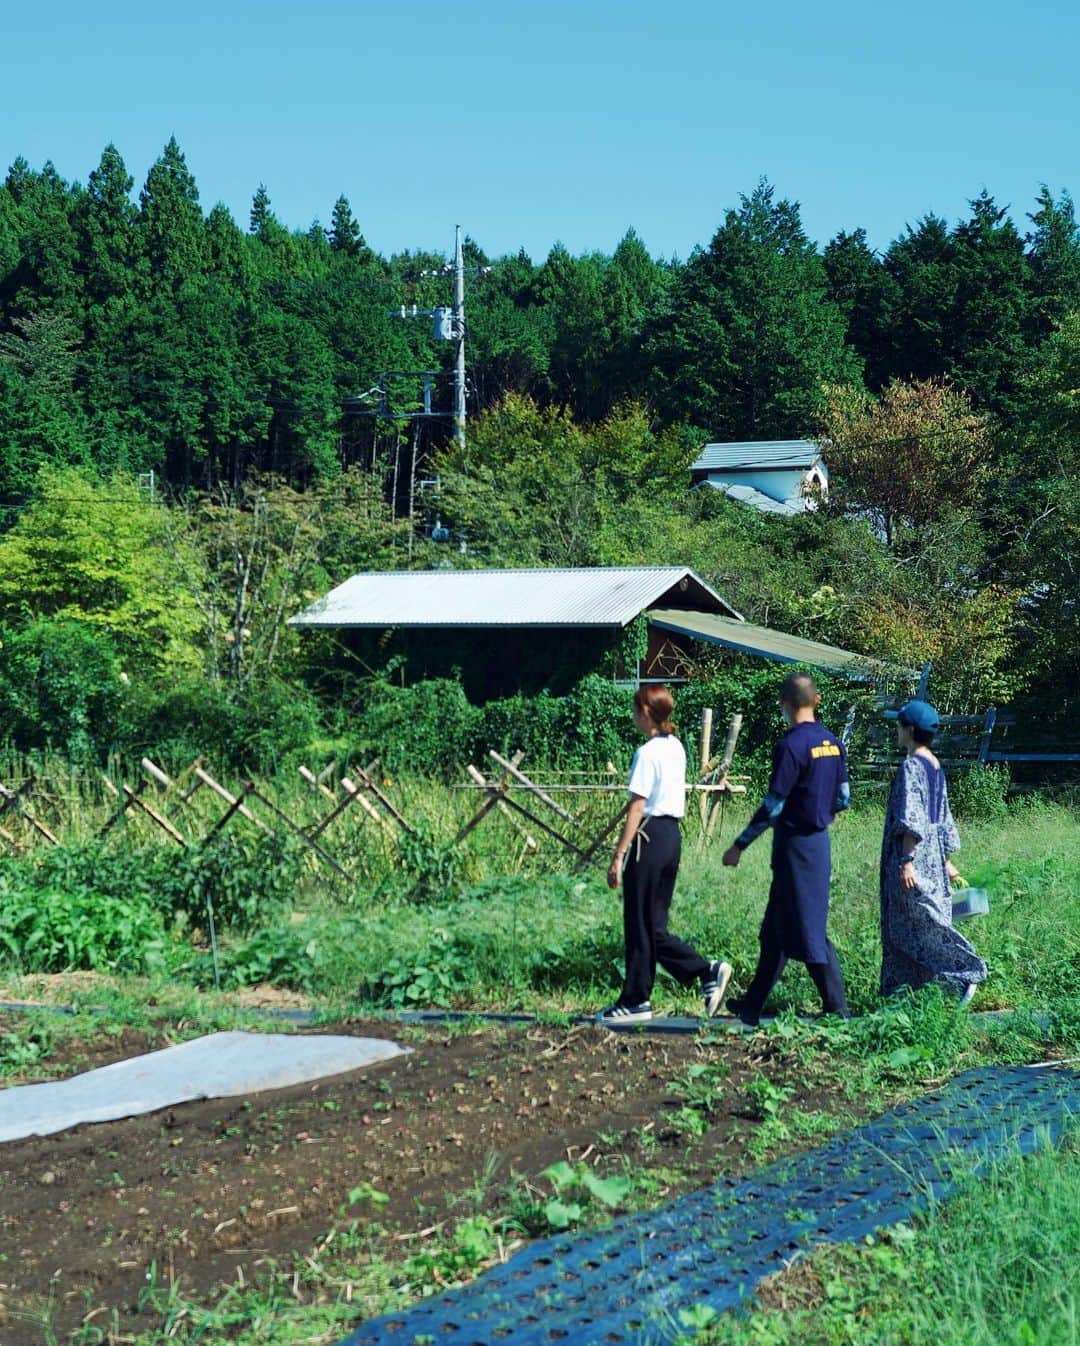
(768, 644)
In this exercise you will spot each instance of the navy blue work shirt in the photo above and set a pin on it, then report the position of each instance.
(809, 784)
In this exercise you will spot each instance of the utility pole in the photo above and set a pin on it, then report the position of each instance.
(448, 324)
(459, 335)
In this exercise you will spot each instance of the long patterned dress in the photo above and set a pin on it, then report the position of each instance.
(918, 942)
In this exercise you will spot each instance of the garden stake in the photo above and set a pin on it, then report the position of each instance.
(213, 941)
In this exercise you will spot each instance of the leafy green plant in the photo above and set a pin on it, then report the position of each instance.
(364, 1191)
(52, 930)
(576, 1189)
(430, 979)
(766, 1098)
(701, 1084)
(433, 866)
(456, 1259)
(689, 1122)
(24, 1048)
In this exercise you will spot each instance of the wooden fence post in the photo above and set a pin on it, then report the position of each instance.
(987, 734)
(703, 759)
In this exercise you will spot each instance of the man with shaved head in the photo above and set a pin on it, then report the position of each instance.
(809, 786)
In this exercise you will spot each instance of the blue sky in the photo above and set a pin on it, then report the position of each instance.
(569, 121)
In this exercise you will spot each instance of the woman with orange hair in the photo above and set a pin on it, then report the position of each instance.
(650, 847)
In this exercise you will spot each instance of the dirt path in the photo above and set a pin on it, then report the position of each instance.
(213, 1191)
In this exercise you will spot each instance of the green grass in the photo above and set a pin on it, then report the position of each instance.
(484, 926)
(998, 1265)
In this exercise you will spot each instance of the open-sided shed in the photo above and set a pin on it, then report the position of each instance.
(509, 630)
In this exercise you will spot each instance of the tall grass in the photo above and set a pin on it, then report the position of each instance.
(489, 923)
(999, 1265)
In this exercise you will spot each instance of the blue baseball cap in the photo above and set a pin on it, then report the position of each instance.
(917, 715)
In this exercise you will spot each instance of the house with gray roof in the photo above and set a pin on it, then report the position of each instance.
(776, 476)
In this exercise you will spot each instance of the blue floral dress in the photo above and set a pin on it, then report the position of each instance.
(918, 942)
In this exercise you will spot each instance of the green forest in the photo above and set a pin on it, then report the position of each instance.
(192, 446)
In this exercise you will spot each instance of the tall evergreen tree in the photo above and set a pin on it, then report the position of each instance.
(862, 288)
(107, 229)
(749, 334)
(261, 214)
(345, 235)
(989, 348)
(1054, 254)
(171, 222)
(510, 333)
(960, 306)
(46, 271)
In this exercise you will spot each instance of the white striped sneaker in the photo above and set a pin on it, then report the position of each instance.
(714, 986)
(626, 1014)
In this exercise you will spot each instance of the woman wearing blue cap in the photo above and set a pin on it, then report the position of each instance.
(918, 942)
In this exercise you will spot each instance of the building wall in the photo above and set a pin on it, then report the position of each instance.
(780, 484)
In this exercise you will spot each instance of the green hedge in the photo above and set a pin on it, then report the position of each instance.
(431, 727)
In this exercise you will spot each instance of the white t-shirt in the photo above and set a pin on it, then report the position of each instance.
(658, 773)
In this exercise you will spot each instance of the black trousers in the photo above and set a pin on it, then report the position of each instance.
(648, 887)
(772, 960)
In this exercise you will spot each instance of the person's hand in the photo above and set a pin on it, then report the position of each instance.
(952, 872)
(614, 871)
(907, 876)
(732, 856)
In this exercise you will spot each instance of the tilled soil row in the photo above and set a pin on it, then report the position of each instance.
(209, 1188)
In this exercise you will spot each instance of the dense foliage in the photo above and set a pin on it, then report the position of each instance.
(188, 451)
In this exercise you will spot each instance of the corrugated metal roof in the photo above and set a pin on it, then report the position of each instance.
(762, 641)
(766, 453)
(587, 597)
(747, 495)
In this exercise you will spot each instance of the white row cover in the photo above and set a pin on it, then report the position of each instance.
(220, 1065)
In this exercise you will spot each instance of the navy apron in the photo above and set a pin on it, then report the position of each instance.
(798, 904)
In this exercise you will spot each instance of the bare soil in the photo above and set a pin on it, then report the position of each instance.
(215, 1191)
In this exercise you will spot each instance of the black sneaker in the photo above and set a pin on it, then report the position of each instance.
(737, 1006)
(714, 986)
(625, 1014)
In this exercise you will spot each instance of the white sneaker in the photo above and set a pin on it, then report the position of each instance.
(714, 987)
(969, 994)
(626, 1014)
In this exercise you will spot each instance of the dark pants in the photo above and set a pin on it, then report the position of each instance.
(794, 924)
(826, 976)
(648, 886)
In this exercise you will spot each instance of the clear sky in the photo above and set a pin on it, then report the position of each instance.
(563, 121)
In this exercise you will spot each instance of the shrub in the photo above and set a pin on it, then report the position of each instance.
(980, 791)
(251, 728)
(539, 725)
(60, 689)
(248, 880)
(599, 723)
(54, 930)
(426, 728)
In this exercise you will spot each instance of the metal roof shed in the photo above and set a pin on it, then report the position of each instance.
(766, 643)
(765, 454)
(482, 626)
(608, 597)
